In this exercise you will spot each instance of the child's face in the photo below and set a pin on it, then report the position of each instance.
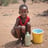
(23, 13)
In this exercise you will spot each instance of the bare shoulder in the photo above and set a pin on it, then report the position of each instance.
(17, 19)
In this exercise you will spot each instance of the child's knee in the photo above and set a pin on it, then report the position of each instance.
(12, 32)
(29, 28)
(28, 25)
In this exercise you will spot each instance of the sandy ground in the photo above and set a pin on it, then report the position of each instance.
(8, 17)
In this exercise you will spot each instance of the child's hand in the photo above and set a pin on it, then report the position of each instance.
(28, 23)
(23, 27)
(19, 26)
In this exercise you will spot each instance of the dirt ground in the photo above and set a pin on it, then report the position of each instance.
(8, 17)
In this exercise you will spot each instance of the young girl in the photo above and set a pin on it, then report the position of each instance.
(22, 24)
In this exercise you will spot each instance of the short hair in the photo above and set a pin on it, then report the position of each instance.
(21, 6)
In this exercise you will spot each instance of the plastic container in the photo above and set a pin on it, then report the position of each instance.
(37, 35)
(27, 39)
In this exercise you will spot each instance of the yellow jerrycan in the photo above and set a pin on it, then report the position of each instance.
(27, 39)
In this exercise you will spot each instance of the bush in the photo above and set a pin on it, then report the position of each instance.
(14, 1)
(44, 0)
(5, 2)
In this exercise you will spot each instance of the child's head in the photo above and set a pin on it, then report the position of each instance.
(23, 10)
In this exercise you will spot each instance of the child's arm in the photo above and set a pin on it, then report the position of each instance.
(29, 26)
(16, 23)
(28, 21)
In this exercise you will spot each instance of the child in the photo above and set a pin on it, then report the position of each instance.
(22, 24)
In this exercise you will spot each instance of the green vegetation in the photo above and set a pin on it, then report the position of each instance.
(40, 0)
(14, 1)
(6, 2)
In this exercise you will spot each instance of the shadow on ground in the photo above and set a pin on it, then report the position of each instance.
(13, 44)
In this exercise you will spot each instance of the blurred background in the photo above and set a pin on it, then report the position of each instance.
(9, 11)
(6, 2)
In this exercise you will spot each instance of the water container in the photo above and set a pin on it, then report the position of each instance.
(27, 39)
(37, 35)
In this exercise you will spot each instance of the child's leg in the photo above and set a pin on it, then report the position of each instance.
(16, 32)
(13, 32)
(23, 38)
(28, 27)
(23, 30)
